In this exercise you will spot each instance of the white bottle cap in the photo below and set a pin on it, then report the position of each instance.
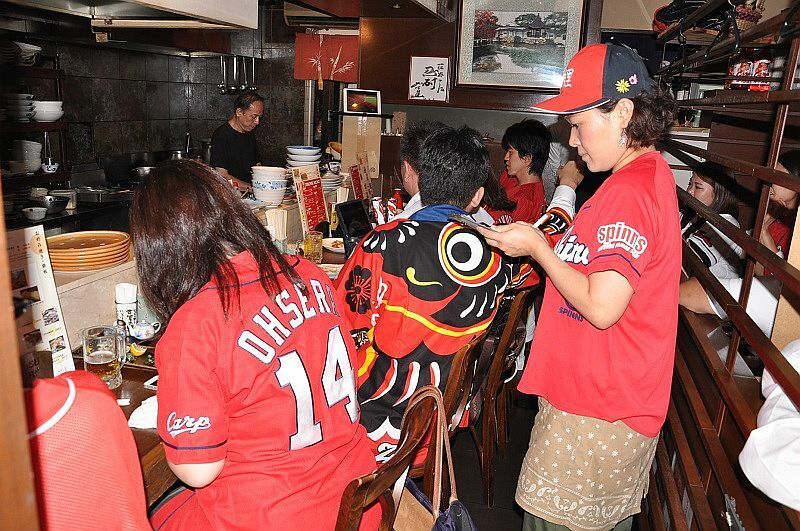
(126, 293)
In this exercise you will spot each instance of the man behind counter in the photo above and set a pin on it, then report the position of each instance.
(233, 144)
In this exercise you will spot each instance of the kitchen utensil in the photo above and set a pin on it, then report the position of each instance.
(143, 171)
(253, 85)
(71, 195)
(205, 150)
(244, 86)
(53, 204)
(188, 143)
(223, 87)
(178, 154)
(233, 87)
(34, 213)
(144, 330)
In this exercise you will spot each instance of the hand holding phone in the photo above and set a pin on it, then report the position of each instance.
(467, 221)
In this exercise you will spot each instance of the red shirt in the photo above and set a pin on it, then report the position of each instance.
(624, 372)
(272, 391)
(781, 234)
(84, 457)
(529, 199)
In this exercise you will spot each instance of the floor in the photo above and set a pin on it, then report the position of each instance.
(504, 514)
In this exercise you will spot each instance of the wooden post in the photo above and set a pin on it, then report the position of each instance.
(787, 318)
(17, 495)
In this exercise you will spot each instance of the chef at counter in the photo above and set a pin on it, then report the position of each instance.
(233, 144)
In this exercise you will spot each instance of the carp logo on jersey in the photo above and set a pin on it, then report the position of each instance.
(432, 287)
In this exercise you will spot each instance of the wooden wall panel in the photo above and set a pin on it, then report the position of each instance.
(387, 44)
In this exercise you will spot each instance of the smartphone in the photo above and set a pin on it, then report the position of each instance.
(467, 221)
(151, 383)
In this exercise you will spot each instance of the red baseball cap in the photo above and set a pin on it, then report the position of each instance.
(597, 74)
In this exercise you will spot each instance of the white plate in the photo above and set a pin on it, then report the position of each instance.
(303, 150)
(297, 164)
(304, 158)
(334, 245)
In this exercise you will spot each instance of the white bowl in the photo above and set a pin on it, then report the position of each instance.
(34, 213)
(303, 150)
(33, 165)
(16, 96)
(268, 185)
(269, 196)
(47, 116)
(18, 105)
(50, 168)
(38, 191)
(48, 104)
(268, 169)
(305, 158)
(296, 163)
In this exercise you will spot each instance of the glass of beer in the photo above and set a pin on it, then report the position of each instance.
(102, 354)
(312, 246)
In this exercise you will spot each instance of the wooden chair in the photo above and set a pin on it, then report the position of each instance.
(365, 490)
(495, 399)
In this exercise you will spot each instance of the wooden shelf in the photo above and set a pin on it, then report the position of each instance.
(32, 72)
(15, 128)
(9, 183)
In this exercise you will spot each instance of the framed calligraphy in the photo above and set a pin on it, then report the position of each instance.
(517, 43)
(429, 79)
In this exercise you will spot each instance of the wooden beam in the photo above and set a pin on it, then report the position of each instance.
(17, 495)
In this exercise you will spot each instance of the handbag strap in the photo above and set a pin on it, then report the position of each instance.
(441, 443)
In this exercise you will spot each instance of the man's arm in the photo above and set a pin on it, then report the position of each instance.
(241, 184)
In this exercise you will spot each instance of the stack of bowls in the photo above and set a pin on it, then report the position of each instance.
(27, 53)
(48, 111)
(331, 181)
(29, 152)
(88, 250)
(269, 184)
(18, 107)
(302, 155)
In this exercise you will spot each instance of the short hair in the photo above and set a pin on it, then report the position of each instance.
(791, 161)
(246, 99)
(413, 136)
(453, 164)
(719, 177)
(186, 222)
(653, 114)
(531, 139)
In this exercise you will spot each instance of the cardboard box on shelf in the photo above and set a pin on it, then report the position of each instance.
(362, 134)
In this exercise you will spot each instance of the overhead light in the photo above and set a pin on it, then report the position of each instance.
(395, 6)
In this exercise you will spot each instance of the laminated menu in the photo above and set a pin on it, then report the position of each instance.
(41, 327)
(311, 199)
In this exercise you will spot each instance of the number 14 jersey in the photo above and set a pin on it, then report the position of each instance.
(272, 391)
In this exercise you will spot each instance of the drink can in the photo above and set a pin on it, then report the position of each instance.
(760, 69)
(741, 68)
(376, 206)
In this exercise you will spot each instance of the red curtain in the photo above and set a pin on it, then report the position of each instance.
(332, 57)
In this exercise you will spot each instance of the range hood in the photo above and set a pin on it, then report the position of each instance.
(158, 14)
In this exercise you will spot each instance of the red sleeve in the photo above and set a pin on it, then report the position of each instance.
(623, 236)
(192, 421)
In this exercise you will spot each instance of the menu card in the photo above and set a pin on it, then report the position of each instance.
(360, 178)
(41, 327)
(311, 199)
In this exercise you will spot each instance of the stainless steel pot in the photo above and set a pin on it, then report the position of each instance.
(143, 171)
(53, 204)
(174, 155)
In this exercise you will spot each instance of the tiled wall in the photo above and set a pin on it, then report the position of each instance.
(119, 101)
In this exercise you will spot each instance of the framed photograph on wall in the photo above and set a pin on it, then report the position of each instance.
(429, 78)
(517, 43)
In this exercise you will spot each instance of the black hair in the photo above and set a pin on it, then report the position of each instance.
(246, 99)
(413, 137)
(530, 138)
(653, 114)
(186, 222)
(791, 161)
(453, 164)
(720, 178)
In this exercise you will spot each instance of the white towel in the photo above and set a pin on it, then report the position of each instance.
(145, 416)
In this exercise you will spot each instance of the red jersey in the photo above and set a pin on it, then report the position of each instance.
(529, 199)
(782, 235)
(271, 390)
(84, 457)
(630, 226)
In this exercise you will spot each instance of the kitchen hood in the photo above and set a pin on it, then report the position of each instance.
(156, 14)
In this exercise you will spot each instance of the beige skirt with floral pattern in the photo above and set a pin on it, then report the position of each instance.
(582, 472)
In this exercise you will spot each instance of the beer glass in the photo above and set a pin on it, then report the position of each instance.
(103, 354)
(312, 246)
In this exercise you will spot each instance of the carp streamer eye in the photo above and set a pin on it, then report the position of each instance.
(465, 258)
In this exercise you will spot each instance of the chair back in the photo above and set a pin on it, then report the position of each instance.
(365, 490)
(459, 388)
(507, 346)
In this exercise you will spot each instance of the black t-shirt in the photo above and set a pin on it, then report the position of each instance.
(234, 151)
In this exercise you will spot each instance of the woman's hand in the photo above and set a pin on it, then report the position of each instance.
(570, 175)
(516, 239)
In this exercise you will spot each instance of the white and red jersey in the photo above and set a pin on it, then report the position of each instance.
(624, 372)
(271, 390)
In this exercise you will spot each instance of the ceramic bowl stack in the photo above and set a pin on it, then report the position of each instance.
(27, 53)
(29, 153)
(8, 52)
(269, 184)
(302, 155)
(88, 250)
(18, 107)
(331, 181)
(48, 111)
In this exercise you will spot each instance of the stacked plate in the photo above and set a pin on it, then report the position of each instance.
(331, 181)
(18, 107)
(48, 111)
(8, 52)
(88, 250)
(27, 152)
(269, 184)
(27, 53)
(302, 155)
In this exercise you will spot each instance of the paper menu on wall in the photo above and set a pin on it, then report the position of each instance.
(310, 197)
(41, 327)
(359, 179)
